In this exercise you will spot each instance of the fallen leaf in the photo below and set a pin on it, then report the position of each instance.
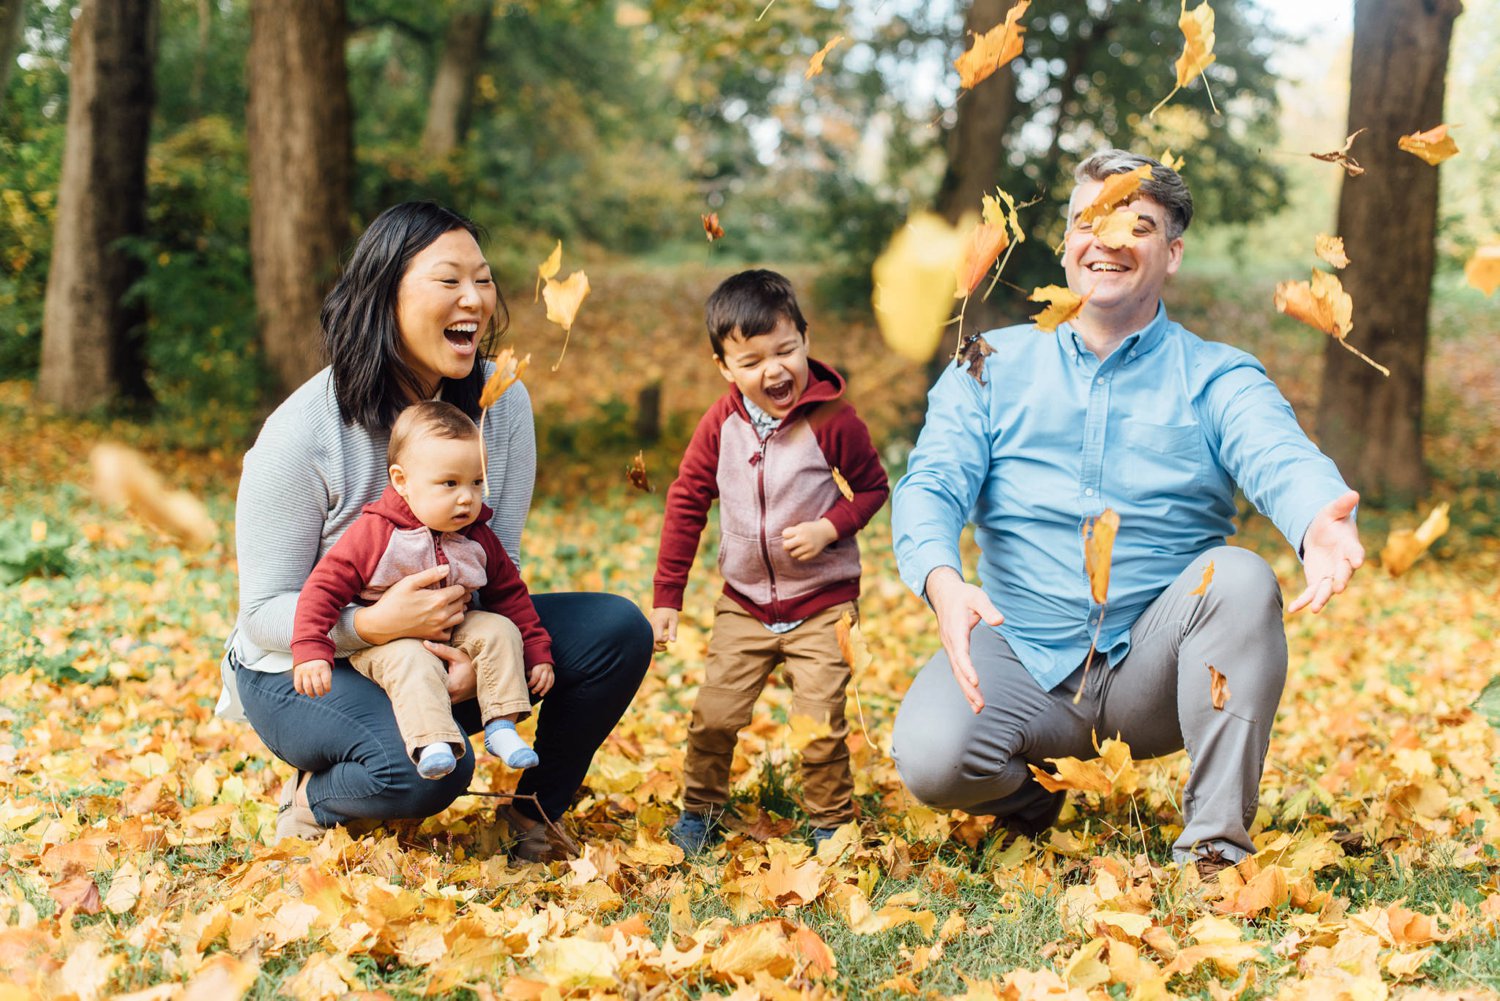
(852, 644)
(1483, 269)
(563, 299)
(548, 269)
(1062, 306)
(1218, 687)
(1433, 146)
(124, 889)
(1197, 47)
(1403, 546)
(123, 478)
(815, 64)
(1341, 156)
(508, 371)
(711, 227)
(842, 484)
(637, 473)
(1073, 774)
(1322, 304)
(804, 730)
(77, 891)
(1098, 551)
(992, 49)
(1208, 576)
(1331, 249)
(914, 282)
(748, 950)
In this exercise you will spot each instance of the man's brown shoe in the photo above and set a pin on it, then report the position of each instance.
(538, 842)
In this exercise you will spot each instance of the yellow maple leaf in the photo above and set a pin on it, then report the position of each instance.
(508, 371)
(914, 282)
(1197, 28)
(1483, 269)
(1116, 190)
(1322, 304)
(1062, 305)
(843, 484)
(563, 299)
(815, 64)
(852, 644)
(1172, 162)
(805, 730)
(548, 268)
(981, 249)
(1208, 576)
(1098, 552)
(1433, 146)
(1331, 249)
(1404, 545)
(992, 49)
(1117, 229)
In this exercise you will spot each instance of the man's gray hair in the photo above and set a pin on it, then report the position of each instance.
(1165, 186)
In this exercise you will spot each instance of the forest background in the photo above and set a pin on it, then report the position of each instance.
(133, 833)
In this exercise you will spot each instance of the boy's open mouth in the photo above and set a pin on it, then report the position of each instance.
(781, 393)
(461, 336)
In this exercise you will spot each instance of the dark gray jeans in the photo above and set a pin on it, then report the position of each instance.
(1157, 699)
(348, 739)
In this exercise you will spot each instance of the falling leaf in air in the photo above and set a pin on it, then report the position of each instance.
(1341, 156)
(1218, 687)
(1171, 162)
(548, 269)
(123, 478)
(1117, 230)
(1331, 249)
(1115, 191)
(992, 49)
(637, 473)
(1323, 305)
(1483, 269)
(1433, 146)
(1098, 551)
(1197, 48)
(1404, 545)
(563, 299)
(914, 281)
(508, 371)
(1208, 576)
(815, 64)
(842, 484)
(1062, 306)
(975, 350)
(852, 644)
(711, 227)
(998, 226)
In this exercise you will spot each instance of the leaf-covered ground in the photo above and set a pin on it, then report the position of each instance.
(134, 826)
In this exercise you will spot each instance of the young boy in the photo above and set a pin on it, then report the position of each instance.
(431, 514)
(769, 450)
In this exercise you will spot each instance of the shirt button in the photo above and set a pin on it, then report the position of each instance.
(1098, 382)
(1088, 492)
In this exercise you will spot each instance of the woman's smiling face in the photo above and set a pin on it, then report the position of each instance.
(445, 303)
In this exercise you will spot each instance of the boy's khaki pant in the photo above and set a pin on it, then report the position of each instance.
(416, 679)
(741, 656)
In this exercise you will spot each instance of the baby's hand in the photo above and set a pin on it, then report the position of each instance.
(313, 678)
(808, 539)
(541, 679)
(663, 627)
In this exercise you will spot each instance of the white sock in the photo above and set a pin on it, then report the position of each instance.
(435, 760)
(501, 739)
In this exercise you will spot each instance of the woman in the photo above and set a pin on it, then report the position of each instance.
(407, 321)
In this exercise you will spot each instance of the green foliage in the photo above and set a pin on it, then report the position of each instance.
(33, 547)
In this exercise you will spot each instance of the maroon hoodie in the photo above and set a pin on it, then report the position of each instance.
(387, 543)
(764, 487)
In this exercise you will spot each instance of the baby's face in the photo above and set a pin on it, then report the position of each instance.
(442, 480)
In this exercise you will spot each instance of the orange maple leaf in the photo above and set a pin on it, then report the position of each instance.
(1197, 49)
(1208, 575)
(1433, 146)
(1218, 687)
(1404, 545)
(711, 227)
(548, 269)
(1341, 155)
(508, 371)
(1323, 305)
(1117, 190)
(981, 249)
(993, 49)
(1483, 269)
(1117, 229)
(563, 299)
(1331, 249)
(842, 484)
(1062, 305)
(852, 644)
(815, 64)
(1098, 551)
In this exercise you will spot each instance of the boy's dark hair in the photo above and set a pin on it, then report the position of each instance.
(428, 417)
(751, 303)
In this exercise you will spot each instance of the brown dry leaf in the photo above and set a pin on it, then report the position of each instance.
(1208, 576)
(914, 281)
(1404, 545)
(1433, 146)
(1062, 306)
(123, 478)
(1331, 249)
(842, 484)
(1197, 47)
(1341, 156)
(563, 299)
(637, 473)
(548, 269)
(1117, 229)
(852, 644)
(976, 350)
(711, 227)
(1483, 269)
(1323, 305)
(1098, 551)
(993, 49)
(508, 371)
(1218, 687)
(815, 64)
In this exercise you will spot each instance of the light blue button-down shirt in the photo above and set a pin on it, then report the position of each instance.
(1161, 431)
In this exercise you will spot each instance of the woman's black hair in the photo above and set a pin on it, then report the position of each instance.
(370, 378)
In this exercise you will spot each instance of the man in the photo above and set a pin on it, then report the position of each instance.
(1121, 409)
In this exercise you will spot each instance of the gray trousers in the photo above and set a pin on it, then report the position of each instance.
(1157, 699)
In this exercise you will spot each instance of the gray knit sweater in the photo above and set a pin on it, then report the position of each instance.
(304, 482)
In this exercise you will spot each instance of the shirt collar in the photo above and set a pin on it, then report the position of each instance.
(1138, 343)
(763, 422)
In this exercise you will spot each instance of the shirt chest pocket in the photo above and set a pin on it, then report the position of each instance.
(1160, 459)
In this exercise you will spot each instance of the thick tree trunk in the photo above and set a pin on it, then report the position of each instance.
(301, 154)
(452, 98)
(91, 343)
(12, 20)
(976, 152)
(1369, 424)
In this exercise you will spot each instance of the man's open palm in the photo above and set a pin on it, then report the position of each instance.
(1330, 553)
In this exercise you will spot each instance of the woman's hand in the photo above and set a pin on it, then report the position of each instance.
(412, 607)
(463, 683)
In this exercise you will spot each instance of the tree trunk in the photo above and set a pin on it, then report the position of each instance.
(1369, 424)
(301, 153)
(91, 342)
(452, 98)
(12, 20)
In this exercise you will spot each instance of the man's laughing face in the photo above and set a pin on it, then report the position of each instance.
(1123, 285)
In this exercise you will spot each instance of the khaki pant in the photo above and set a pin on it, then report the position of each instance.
(416, 679)
(741, 656)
